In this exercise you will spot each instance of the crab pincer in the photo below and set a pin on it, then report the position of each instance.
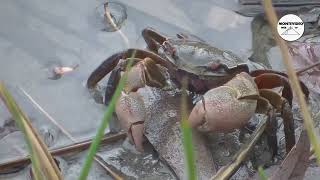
(131, 113)
(225, 108)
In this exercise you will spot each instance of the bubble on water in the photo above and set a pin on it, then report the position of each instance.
(112, 16)
(49, 135)
(225, 153)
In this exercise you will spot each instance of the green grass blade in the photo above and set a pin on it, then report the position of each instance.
(105, 121)
(187, 137)
(262, 174)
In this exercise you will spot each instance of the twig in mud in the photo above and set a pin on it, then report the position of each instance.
(98, 159)
(301, 71)
(7, 166)
(296, 162)
(227, 171)
(64, 131)
(308, 123)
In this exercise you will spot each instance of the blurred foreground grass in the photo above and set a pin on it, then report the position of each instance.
(43, 165)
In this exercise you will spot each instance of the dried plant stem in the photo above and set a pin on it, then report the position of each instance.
(43, 164)
(97, 158)
(308, 123)
(227, 171)
(79, 146)
(307, 68)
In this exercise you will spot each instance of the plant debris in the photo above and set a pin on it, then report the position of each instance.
(306, 54)
(296, 163)
(59, 71)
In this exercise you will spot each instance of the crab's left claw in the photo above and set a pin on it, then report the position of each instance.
(130, 111)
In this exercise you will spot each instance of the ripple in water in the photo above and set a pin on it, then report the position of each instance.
(112, 16)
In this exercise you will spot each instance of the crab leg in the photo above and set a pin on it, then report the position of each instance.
(269, 81)
(265, 107)
(113, 79)
(281, 105)
(284, 77)
(103, 69)
(109, 64)
(265, 83)
(138, 55)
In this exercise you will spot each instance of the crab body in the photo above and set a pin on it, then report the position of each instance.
(230, 93)
(205, 66)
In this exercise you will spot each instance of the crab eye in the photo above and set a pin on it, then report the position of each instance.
(168, 48)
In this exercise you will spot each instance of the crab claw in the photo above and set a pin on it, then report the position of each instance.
(226, 107)
(130, 111)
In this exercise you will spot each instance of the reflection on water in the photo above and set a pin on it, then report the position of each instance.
(111, 16)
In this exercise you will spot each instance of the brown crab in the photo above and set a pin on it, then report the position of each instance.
(231, 94)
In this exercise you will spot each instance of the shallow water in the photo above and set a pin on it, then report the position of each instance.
(38, 35)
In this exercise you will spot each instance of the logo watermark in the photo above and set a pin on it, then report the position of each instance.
(290, 27)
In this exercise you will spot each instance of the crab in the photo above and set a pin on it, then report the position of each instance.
(231, 94)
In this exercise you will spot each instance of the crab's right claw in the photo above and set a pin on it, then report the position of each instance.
(224, 108)
(197, 115)
(131, 113)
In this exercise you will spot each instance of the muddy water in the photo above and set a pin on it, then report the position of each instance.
(36, 36)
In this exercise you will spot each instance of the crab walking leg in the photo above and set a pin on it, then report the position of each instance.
(111, 87)
(265, 107)
(269, 80)
(131, 113)
(109, 64)
(288, 122)
(282, 105)
(103, 69)
(282, 78)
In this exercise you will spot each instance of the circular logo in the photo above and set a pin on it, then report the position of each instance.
(290, 27)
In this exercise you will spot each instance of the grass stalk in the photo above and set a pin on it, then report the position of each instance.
(187, 136)
(262, 174)
(105, 121)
